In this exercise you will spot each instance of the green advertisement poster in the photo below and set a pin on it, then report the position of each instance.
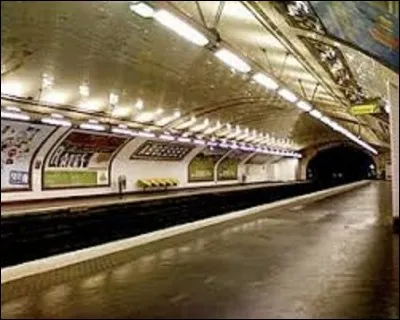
(228, 167)
(81, 159)
(201, 168)
(70, 178)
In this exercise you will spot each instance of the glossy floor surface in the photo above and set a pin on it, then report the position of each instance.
(336, 258)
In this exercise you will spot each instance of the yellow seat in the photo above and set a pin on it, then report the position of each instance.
(144, 183)
(162, 182)
(154, 183)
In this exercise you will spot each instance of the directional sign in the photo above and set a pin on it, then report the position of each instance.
(361, 109)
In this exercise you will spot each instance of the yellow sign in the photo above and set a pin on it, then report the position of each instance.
(364, 109)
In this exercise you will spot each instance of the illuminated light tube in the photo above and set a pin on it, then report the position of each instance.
(183, 139)
(200, 127)
(303, 105)
(57, 121)
(187, 124)
(13, 109)
(142, 9)
(92, 125)
(234, 146)
(224, 145)
(145, 134)
(199, 141)
(265, 81)
(287, 95)
(232, 60)
(122, 129)
(326, 120)
(145, 117)
(316, 114)
(181, 28)
(166, 137)
(84, 90)
(15, 115)
(212, 144)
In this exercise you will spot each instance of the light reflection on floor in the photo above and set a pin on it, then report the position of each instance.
(334, 259)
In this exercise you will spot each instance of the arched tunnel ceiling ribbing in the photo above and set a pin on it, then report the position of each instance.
(115, 51)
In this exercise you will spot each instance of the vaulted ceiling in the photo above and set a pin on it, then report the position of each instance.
(104, 45)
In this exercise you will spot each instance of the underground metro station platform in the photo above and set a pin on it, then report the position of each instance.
(192, 160)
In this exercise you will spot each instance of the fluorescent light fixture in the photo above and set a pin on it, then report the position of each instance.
(14, 115)
(326, 120)
(287, 95)
(124, 131)
(145, 117)
(199, 141)
(232, 60)
(213, 129)
(90, 105)
(84, 90)
(146, 134)
(212, 143)
(11, 88)
(303, 105)
(180, 27)
(55, 97)
(47, 81)
(56, 121)
(387, 106)
(166, 137)
(183, 139)
(92, 125)
(121, 112)
(142, 9)
(224, 145)
(265, 81)
(113, 98)
(234, 146)
(316, 114)
(167, 119)
(201, 126)
(13, 108)
(187, 123)
(139, 104)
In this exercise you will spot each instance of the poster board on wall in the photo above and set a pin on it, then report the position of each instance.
(161, 151)
(82, 159)
(201, 167)
(228, 167)
(20, 142)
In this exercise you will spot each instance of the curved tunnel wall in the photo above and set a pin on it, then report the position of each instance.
(39, 161)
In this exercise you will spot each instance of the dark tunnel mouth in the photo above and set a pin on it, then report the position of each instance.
(341, 164)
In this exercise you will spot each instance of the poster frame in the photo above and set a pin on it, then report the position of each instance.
(32, 160)
(60, 140)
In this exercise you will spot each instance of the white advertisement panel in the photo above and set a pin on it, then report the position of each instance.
(20, 142)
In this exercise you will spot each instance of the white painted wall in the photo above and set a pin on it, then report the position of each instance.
(285, 169)
(141, 169)
(137, 169)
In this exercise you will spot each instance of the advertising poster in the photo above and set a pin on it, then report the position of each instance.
(82, 159)
(364, 25)
(162, 151)
(19, 143)
(228, 167)
(201, 168)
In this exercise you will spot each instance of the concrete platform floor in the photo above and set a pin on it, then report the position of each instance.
(336, 258)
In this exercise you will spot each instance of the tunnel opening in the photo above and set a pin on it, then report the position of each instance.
(340, 164)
